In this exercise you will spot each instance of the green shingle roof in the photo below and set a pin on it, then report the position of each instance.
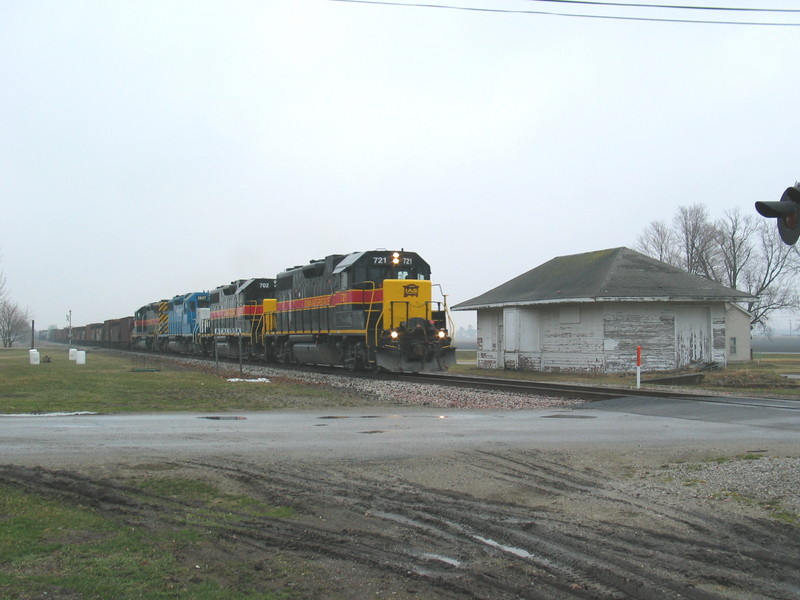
(615, 274)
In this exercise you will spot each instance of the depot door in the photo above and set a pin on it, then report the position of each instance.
(692, 336)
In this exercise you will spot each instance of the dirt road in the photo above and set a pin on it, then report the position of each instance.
(493, 521)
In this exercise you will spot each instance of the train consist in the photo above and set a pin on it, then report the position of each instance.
(364, 311)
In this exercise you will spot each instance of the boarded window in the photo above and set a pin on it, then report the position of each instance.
(569, 314)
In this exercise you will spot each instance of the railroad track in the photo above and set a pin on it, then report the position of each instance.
(519, 386)
(589, 392)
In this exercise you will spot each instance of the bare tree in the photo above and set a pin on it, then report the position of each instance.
(770, 277)
(735, 235)
(13, 318)
(658, 241)
(13, 322)
(697, 235)
(737, 251)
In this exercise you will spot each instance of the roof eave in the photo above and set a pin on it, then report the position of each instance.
(550, 301)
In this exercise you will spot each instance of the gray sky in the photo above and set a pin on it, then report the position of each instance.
(155, 148)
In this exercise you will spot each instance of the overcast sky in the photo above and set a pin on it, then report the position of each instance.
(154, 148)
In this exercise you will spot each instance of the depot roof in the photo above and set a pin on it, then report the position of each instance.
(613, 275)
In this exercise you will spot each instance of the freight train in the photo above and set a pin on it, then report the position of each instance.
(369, 310)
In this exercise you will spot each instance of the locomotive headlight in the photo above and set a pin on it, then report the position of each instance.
(393, 335)
(442, 334)
(396, 258)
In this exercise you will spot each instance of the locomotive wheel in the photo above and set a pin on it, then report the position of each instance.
(350, 358)
(354, 356)
(285, 356)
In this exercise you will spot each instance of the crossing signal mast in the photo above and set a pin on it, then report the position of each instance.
(787, 212)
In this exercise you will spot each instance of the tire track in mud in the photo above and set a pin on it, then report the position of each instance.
(456, 544)
(590, 557)
(753, 542)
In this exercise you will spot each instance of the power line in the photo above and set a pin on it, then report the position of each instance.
(674, 6)
(563, 14)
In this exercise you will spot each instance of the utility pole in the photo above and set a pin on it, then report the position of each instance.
(69, 330)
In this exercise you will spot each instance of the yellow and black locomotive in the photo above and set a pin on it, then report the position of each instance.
(363, 310)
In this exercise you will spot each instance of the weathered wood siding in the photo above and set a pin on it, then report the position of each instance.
(693, 338)
(718, 336)
(628, 325)
(522, 347)
(572, 338)
(489, 330)
(602, 337)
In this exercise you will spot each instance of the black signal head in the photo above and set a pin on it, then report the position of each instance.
(787, 212)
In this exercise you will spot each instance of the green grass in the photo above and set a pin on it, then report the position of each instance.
(205, 494)
(109, 383)
(50, 549)
(773, 507)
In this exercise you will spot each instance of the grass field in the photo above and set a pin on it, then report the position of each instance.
(115, 382)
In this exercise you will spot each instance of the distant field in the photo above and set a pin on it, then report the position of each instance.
(776, 344)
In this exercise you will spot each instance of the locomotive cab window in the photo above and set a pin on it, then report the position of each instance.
(406, 274)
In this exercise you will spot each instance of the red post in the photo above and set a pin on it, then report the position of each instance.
(638, 367)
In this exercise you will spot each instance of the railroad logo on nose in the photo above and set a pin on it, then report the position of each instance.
(411, 289)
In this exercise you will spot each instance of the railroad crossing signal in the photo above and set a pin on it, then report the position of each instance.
(787, 212)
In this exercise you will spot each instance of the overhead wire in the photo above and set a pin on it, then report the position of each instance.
(674, 6)
(591, 16)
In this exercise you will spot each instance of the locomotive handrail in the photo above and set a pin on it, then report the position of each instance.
(380, 316)
(370, 310)
(451, 326)
(253, 322)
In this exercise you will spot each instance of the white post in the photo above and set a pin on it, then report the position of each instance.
(638, 367)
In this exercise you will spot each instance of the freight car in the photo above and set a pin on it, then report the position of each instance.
(93, 334)
(117, 332)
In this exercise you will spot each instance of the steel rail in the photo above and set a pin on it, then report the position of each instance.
(588, 391)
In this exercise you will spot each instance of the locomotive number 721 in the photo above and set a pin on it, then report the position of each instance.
(384, 260)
